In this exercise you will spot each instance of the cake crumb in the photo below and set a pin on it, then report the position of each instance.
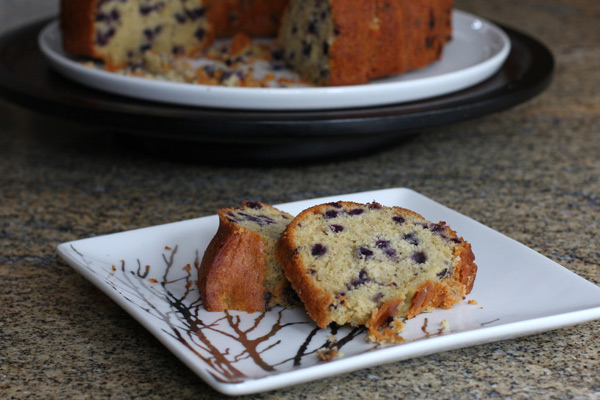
(472, 302)
(445, 325)
(384, 325)
(327, 354)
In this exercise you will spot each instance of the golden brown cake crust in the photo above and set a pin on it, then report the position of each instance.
(350, 53)
(378, 38)
(252, 17)
(77, 26)
(232, 272)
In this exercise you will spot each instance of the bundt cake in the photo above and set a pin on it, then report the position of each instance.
(239, 270)
(328, 42)
(366, 264)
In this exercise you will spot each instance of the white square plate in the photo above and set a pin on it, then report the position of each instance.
(151, 273)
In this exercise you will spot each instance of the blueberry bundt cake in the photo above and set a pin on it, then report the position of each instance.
(328, 42)
(120, 31)
(239, 270)
(346, 42)
(366, 264)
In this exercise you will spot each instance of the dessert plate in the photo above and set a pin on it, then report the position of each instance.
(478, 49)
(151, 273)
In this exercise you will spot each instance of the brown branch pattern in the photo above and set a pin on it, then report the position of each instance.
(205, 334)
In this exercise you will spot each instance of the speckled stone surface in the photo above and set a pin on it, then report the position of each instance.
(532, 173)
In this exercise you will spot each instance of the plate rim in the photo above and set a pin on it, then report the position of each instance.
(433, 345)
(287, 99)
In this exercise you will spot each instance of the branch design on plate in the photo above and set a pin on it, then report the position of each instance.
(230, 343)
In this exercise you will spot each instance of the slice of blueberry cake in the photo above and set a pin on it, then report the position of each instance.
(366, 264)
(239, 270)
(349, 42)
(119, 32)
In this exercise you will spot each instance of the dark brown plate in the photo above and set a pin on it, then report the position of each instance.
(27, 79)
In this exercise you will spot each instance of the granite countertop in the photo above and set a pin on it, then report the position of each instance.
(531, 173)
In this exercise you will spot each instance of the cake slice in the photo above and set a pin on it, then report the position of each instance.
(366, 264)
(349, 42)
(239, 270)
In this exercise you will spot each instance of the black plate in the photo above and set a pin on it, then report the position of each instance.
(27, 79)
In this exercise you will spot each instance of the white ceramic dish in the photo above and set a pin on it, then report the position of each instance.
(477, 51)
(151, 272)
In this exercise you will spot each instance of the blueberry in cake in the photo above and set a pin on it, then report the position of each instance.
(366, 264)
(120, 31)
(239, 270)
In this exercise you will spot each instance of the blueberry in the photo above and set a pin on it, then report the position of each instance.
(411, 238)
(419, 257)
(429, 42)
(200, 33)
(253, 205)
(149, 33)
(210, 70)
(437, 228)
(195, 14)
(261, 220)
(364, 252)
(318, 250)
(356, 211)
(391, 253)
(102, 17)
(361, 280)
(146, 9)
(103, 38)
(382, 244)
(277, 54)
(307, 49)
(431, 19)
(398, 219)
(336, 228)
(330, 214)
